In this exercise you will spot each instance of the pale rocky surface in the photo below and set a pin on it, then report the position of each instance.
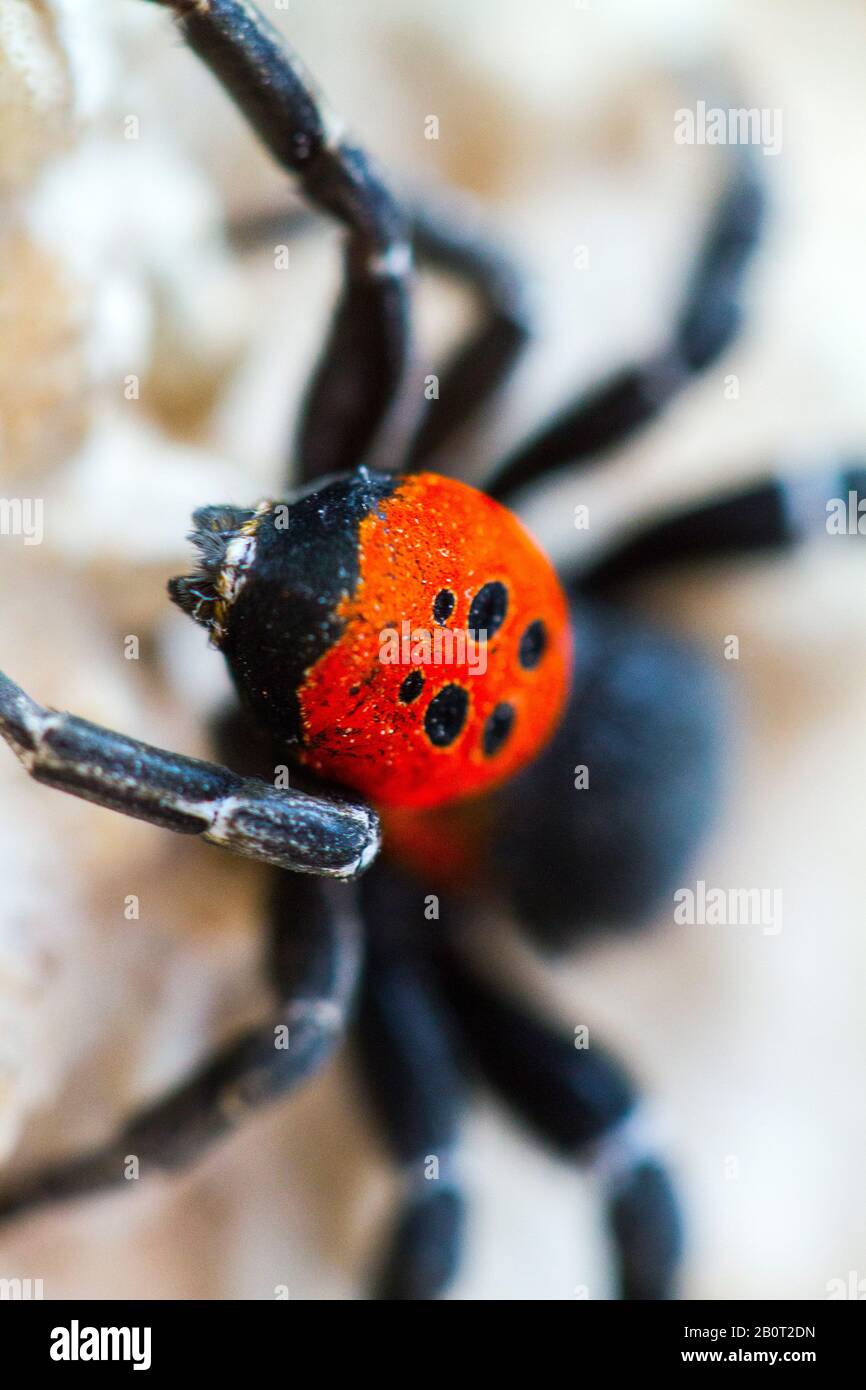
(114, 266)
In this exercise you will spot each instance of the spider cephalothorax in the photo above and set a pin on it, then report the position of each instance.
(405, 634)
(568, 781)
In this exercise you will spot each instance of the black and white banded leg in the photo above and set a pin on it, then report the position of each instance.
(314, 963)
(359, 376)
(407, 1055)
(707, 323)
(583, 1104)
(287, 828)
(773, 514)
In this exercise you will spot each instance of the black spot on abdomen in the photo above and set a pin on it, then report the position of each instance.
(533, 644)
(488, 609)
(497, 727)
(411, 687)
(446, 715)
(443, 606)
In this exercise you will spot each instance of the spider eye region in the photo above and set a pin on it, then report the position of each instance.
(404, 634)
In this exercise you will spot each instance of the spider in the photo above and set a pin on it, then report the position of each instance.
(463, 773)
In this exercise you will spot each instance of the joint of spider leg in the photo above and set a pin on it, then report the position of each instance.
(394, 263)
(431, 1173)
(617, 1154)
(22, 721)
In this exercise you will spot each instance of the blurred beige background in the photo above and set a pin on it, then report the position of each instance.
(112, 266)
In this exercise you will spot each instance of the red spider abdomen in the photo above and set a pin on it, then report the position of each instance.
(403, 707)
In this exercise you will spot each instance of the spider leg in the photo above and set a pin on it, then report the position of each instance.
(450, 238)
(447, 235)
(314, 964)
(288, 828)
(772, 514)
(582, 1103)
(707, 323)
(407, 1058)
(359, 375)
